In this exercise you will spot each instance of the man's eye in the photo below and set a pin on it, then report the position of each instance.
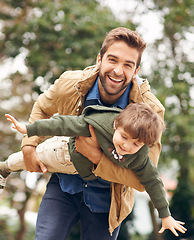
(128, 65)
(112, 60)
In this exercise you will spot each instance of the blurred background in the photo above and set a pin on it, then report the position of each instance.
(39, 40)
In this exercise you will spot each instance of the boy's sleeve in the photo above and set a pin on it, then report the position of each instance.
(43, 108)
(68, 125)
(149, 177)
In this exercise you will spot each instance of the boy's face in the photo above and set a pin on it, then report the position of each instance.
(124, 143)
(117, 68)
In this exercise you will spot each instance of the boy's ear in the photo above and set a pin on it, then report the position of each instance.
(114, 125)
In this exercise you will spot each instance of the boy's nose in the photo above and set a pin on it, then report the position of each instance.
(126, 147)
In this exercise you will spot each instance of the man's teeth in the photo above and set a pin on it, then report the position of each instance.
(116, 80)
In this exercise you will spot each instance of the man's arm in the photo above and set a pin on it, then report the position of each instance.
(111, 172)
(107, 170)
(32, 160)
(104, 165)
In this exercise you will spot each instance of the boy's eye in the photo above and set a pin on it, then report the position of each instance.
(124, 137)
(137, 144)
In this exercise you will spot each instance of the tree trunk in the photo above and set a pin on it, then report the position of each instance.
(22, 231)
(156, 235)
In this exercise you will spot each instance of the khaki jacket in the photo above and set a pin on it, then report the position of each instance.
(66, 97)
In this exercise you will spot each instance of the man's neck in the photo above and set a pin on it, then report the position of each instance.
(106, 104)
(109, 100)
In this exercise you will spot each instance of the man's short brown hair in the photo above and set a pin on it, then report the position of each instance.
(131, 38)
(141, 122)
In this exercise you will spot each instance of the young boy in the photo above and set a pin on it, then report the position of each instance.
(124, 136)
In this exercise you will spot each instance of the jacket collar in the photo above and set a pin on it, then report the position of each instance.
(88, 78)
(90, 74)
(137, 91)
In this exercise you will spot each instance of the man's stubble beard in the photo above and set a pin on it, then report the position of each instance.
(103, 83)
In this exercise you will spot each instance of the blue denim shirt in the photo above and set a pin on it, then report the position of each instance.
(96, 193)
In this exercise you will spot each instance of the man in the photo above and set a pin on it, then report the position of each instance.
(99, 205)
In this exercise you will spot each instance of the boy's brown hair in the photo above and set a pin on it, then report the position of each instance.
(140, 122)
(131, 38)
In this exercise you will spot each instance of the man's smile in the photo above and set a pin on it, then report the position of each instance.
(115, 80)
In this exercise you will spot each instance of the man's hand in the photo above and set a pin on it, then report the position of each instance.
(32, 163)
(89, 147)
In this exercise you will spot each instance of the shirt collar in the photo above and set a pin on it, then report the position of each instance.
(93, 97)
(94, 92)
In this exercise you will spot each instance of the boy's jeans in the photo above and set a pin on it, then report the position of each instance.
(52, 152)
(60, 211)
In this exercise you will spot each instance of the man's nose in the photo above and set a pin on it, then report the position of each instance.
(118, 70)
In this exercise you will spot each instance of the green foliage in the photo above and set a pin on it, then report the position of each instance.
(178, 15)
(182, 208)
(55, 36)
(172, 80)
(173, 76)
(176, 73)
(59, 35)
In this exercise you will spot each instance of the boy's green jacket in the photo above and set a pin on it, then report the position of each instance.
(102, 119)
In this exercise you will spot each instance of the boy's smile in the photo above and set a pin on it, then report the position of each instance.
(124, 143)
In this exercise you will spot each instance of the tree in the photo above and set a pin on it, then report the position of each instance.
(179, 137)
(52, 36)
(172, 80)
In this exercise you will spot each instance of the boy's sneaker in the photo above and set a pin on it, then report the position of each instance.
(3, 178)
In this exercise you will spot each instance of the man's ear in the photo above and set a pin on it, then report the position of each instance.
(136, 71)
(98, 59)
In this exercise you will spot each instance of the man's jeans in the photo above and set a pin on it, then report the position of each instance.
(60, 211)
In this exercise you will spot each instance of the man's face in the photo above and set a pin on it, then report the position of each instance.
(117, 68)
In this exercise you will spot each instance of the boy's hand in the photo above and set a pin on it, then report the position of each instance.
(172, 224)
(20, 127)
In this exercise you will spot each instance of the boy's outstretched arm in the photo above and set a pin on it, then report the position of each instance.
(20, 127)
(172, 224)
